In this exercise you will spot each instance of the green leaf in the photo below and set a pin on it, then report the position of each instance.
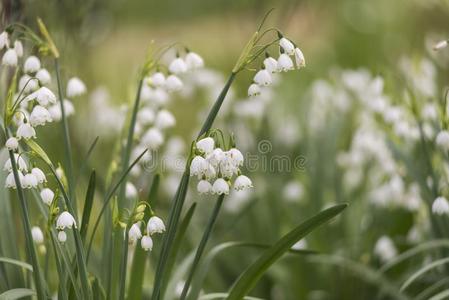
(137, 273)
(254, 272)
(223, 296)
(9, 105)
(38, 151)
(17, 263)
(441, 295)
(17, 294)
(423, 270)
(88, 206)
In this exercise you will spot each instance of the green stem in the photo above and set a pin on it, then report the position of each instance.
(37, 276)
(67, 143)
(123, 265)
(202, 245)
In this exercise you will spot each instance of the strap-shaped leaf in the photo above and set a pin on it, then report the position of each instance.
(17, 294)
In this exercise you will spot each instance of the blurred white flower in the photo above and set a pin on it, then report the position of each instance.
(155, 225)
(300, 245)
(220, 187)
(177, 66)
(32, 64)
(10, 58)
(173, 83)
(438, 46)
(146, 243)
(11, 182)
(293, 191)
(440, 206)
(134, 233)
(65, 220)
(271, 64)
(131, 191)
(25, 131)
(47, 196)
(442, 140)
(37, 234)
(28, 84)
(18, 47)
(4, 40)
(39, 116)
(204, 187)
(20, 162)
(43, 76)
(62, 236)
(153, 139)
(165, 119)
(285, 63)
(206, 145)
(299, 58)
(75, 87)
(263, 78)
(146, 116)
(254, 90)
(29, 181)
(157, 79)
(12, 144)
(40, 176)
(43, 96)
(287, 45)
(194, 61)
(385, 249)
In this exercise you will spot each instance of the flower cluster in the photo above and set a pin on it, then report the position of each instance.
(215, 168)
(154, 225)
(271, 66)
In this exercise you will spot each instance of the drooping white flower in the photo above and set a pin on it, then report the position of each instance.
(236, 156)
(173, 83)
(287, 45)
(210, 173)
(155, 225)
(177, 66)
(20, 162)
(271, 64)
(299, 58)
(29, 181)
(65, 220)
(146, 116)
(10, 58)
(158, 79)
(32, 64)
(75, 87)
(263, 78)
(40, 176)
(204, 187)
(385, 249)
(47, 196)
(39, 116)
(134, 233)
(43, 76)
(62, 236)
(11, 182)
(438, 46)
(131, 191)
(18, 47)
(216, 157)
(25, 131)
(43, 96)
(56, 113)
(37, 234)
(285, 63)
(198, 166)
(242, 182)
(254, 90)
(146, 243)
(12, 144)
(165, 119)
(206, 145)
(442, 140)
(220, 187)
(440, 206)
(194, 61)
(153, 139)
(28, 84)
(60, 173)
(293, 191)
(4, 40)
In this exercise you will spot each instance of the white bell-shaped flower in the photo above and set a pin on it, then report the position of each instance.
(29, 181)
(165, 119)
(146, 116)
(263, 78)
(254, 90)
(271, 64)
(43, 96)
(287, 45)
(28, 84)
(10, 180)
(4, 40)
(173, 83)
(220, 187)
(12, 144)
(65, 220)
(10, 58)
(18, 47)
(210, 173)
(40, 176)
(20, 162)
(39, 116)
(285, 63)
(198, 166)
(37, 234)
(75, 87)
(204, 187)
(147, 243)
(299, 58)
(153, 139)
(242, 182)
(206, 145)
(155, 225)
(178, 66)
(158, 79)
(442, 140)
(62, 236)
(216, 157)
(440, 206)
(47, 196)
(194, 61)
(43, 76)
(438, 46)
(134, 233)
(32, 64)
(131, 191)
(25, 131)
(236, 156)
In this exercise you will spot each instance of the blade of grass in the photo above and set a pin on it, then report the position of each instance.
(202, 245)
(87, 156)
(223, 296)
(17, 263)
(137, 272)
(88, 206)
(428, 291)
(249, 278)
(123, 265)
(17, 294)
(422, 271)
